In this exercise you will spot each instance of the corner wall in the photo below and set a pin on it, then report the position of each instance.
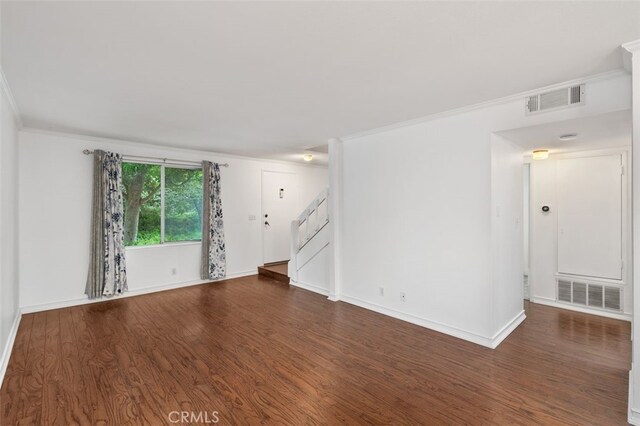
(9, 310)
(417, 215)
(507, 235)
(55, 206)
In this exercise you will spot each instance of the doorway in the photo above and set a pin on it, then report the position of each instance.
(576, 214)
(279, 204)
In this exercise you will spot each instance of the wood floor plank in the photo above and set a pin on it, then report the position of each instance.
(180, 397)
(72, 381)
(85, 348)
(29, 406)
(258, 351)
(136, 405)
(55, 404)
(16, 370)
(109, 391)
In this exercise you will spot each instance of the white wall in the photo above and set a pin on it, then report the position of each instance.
(55, 204)
(507, 234)
(417, 214)
(634, 375)
(314, 275)
(526, 215)
(544, 228)
(9, 311)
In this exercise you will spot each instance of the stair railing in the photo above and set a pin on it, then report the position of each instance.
(307, 225)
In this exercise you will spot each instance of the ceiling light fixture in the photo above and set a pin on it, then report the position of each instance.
(568, 137)
(540, 154)
(307, 157)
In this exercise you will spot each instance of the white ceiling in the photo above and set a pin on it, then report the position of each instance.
(270, 79)
(610, 130)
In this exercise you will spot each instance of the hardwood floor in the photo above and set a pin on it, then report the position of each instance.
(257, 351)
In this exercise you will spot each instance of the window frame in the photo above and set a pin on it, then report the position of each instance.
(163, 165)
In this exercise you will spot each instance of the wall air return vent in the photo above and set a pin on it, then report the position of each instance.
(612, 298)
(580, 293)
(564, 291)
(595, 296)
(590, 295)
(555, 99)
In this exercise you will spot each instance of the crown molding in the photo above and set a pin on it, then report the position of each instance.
(494, 102)
(632, 46)
(187, 152)
(4, 84)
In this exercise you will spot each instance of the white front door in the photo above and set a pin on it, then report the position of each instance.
(279, 208)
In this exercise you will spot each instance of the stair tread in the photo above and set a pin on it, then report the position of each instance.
(276, 271)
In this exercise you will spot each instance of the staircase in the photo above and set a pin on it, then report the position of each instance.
(310, 237)
(276, 271)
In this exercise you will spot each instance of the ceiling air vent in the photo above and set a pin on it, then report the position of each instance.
(555, 99)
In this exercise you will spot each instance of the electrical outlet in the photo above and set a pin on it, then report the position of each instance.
(381, 291)
(403, 297)
(174, 271)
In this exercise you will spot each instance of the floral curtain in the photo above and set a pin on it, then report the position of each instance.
(107, 269)
(214, 263)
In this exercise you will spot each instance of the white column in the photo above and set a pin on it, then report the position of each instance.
(634, 375)
(335, 218)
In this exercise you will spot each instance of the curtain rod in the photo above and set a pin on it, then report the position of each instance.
(164, 160)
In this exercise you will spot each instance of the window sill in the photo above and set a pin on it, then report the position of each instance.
(171, 244)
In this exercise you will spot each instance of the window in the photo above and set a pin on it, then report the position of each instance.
(183, 204)
(161, 204)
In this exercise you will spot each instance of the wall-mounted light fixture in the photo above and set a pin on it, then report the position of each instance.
(307, 157)
(540, 154)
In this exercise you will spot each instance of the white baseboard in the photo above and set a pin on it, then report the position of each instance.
(556, 304)
(310, 287)
(507, 329)
(333, 297)
(6, 353)
(84, 300)
(633, 414)
(489, 342)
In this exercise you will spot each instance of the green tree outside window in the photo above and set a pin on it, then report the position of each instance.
(143, 194)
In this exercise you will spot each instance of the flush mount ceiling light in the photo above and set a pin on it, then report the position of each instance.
(540, 154)
(568, 137)
(307, 157)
